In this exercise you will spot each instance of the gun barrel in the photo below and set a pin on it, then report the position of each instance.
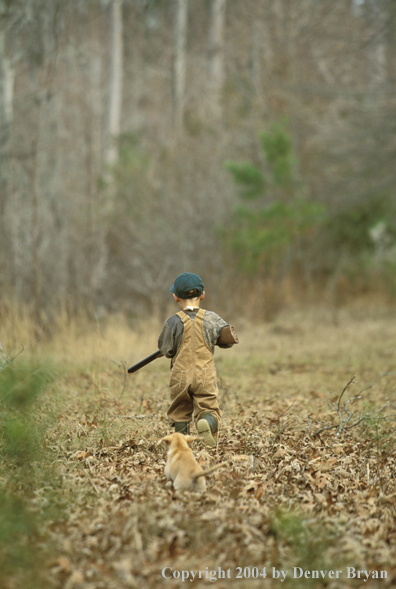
(144, 362)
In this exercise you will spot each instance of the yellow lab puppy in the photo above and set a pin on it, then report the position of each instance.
(181, 466)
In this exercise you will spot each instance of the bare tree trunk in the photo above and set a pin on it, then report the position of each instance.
(255, 69)
(179, 66)
(6, 117)
(36, 229)
(6, 114)
(216, 57)
(115, 88)
(376, 56)
(6, 86)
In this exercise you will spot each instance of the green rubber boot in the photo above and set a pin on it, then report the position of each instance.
(207, 426)
(182, 427)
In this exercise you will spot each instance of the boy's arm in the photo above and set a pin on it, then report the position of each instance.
(213, 327)
(170, 336)
(165, 341)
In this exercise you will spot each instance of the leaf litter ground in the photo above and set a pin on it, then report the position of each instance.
(288, 497)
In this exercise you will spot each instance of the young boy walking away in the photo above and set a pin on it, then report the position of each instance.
(188, 338)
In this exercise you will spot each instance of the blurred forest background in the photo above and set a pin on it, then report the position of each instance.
(252, 142)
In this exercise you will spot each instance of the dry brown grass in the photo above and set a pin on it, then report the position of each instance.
(75, 340)
(288, 499)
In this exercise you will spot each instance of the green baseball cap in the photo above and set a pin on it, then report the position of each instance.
(186, 282)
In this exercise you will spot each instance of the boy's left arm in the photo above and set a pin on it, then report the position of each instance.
(215, 326)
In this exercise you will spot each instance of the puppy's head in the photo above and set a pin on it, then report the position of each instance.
(177, 439)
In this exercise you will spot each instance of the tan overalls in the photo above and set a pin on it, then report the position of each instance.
(193, 384)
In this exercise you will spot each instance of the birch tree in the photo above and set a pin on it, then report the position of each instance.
(216, 57)
(179, 65)
(376, 13)
(115, 83)
(6, 114)
(6, 88)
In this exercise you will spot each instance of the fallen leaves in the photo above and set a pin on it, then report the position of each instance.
(135, 511)
(121, 522)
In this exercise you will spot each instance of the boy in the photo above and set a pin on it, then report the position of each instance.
(188, 338)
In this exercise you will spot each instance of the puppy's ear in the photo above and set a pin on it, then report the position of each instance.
(166, 439)
(190, 439)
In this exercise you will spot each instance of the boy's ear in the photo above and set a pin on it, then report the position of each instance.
(177, 300)
(201, 298)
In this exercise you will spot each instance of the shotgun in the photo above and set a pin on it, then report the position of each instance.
(144, 362)
(227, 339)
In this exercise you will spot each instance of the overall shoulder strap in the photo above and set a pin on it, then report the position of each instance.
(200, 314)
(183, 316)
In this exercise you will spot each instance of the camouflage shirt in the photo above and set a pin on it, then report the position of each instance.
(172, 332)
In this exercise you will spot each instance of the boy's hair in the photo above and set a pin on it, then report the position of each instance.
(193, 294)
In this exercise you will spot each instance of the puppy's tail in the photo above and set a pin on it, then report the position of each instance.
(204, 473)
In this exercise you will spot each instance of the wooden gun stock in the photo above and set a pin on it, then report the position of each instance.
(144, 362)
(227, 337)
